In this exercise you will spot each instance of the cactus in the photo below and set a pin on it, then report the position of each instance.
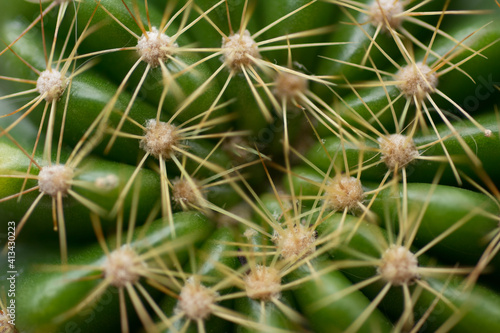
(249, 166)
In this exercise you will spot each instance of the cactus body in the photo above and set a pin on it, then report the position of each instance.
(249, 166)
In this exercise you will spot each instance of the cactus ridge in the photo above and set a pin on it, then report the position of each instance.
(249, 166)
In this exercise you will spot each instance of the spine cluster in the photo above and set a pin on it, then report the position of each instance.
(251, 166)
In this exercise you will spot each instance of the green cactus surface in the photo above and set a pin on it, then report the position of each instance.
(246, 166)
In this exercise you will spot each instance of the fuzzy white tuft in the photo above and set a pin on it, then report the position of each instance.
(399, 266)
(52, 83)
(289, 86)
(155, 47)
(196, 300)
(55, 179)
(387, 13)
(183, 193)
(397, 150)
(159, 139)
(417, 81)
(107, 182)
(344, 192)
(123, 267)
(5, 326)
(237, 48)
(263, 283)
(296, 242)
